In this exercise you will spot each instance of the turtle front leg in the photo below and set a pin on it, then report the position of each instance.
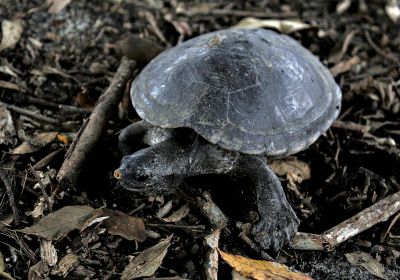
(278, 222)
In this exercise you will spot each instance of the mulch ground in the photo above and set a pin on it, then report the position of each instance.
(52, 77)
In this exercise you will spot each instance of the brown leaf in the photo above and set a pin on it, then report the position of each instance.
(261, 270)
(56, 6)
(13, 86)
(178, 214)
(65, 264)
(59, 223)
(147, 262)
(343, 6)
(12, 31)
(393, 10)
(36, 143)
(3, 274)
(119, 223)
(296, 171)
(284, 26)
(48, 252)
(7, 130)
(139, 49)
(368, 262)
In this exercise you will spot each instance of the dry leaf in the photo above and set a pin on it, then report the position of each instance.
(237, 276)
(262, 270)
(12, 31)
(368, 262)
(119, 223)
(393, 10)
(296, 171)
(211, 259)
(38, 271)
(65, 264)
(343, 6)
(36, 143)
(147, 262)
(48, 253)
(13, 86)
(3, 274)
(7, 130)
(284, 26)
(56, 6)
(178, 214)
(59, 223)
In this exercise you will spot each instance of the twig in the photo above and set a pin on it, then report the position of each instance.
(61, 107)
(379, 212)
(388, 56)
(31, 114)
(196, 227)
(344, 66)
(239, 13)
(351, 126)
(42, 188)
(69, 172)
(46, 160)
(211, 211)
(10, 197)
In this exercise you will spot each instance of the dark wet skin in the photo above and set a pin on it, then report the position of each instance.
(162, 167)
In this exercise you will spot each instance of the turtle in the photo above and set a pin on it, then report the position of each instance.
(244, 95)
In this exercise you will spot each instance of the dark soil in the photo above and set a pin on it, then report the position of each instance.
(70, 57)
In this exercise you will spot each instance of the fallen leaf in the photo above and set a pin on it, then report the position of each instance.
(12, 31)
(59, 223)
(296, 171)
(13, 86)
(34, 144)
(38, 271)
(67, 262)
(3, 274)
(237, 276)
(7, 130)
(261, 270)
(178, 214)
(345, 66)
(211, 257)
(6, 69)
(393, 10)
(119, 223)
(284, 26)
(48, 252)
(139, 49)
(343, 6)
(368, 262)
(56, 6)
(147, 262)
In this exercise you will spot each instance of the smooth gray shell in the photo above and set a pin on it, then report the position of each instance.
(247, 90)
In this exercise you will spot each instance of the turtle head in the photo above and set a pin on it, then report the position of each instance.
(146, 171)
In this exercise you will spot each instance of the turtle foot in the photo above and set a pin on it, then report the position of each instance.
(277, 230)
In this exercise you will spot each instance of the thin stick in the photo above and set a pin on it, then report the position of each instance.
(239, 13)
(42, 188)
(388, 56)
(10, 197)
(61, 107)
(70, 170)
(379, 212)
(31, 114)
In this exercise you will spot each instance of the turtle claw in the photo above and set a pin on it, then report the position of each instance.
(276, 230)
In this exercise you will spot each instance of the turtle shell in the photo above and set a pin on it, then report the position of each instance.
(247, 90)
